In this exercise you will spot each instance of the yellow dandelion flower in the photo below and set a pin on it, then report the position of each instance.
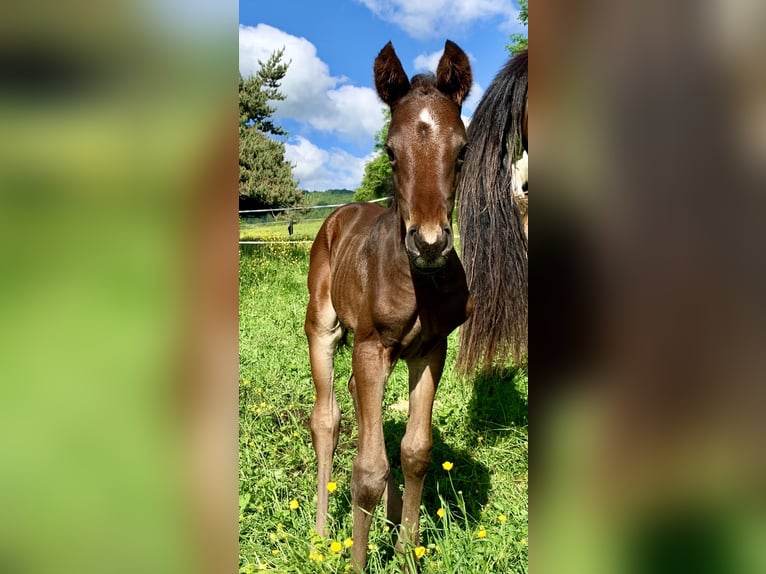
(348, 543)
(251, 444)
(263, 567)
(335, 547)
(294, 504)
(420, 552)
(386, 528)
(275, 552)
(440, 513)
(501, 517)
(481, 533)
(372, 547)
(315, 556)
(447, 465)
(481, 438)
(263, 404)
(272, 537)
(331, 486)
(245, 383)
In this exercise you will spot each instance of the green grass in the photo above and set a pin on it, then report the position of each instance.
(480, 425)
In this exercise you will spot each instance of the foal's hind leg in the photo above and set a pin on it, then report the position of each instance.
(323, 332)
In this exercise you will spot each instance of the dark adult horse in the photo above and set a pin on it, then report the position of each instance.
(393, 278)
(492, 236)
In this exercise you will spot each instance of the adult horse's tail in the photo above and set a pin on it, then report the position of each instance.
(494, 246)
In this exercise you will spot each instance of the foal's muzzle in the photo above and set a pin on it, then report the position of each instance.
(428, 248)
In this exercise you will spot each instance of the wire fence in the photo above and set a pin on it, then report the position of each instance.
(261, 228)
(277, 209)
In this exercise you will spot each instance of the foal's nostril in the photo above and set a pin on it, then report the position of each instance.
(448, 242)
(411, 241)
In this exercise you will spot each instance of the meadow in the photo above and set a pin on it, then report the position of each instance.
(474, 509)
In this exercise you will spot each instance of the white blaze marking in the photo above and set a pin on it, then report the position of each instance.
(426, 117)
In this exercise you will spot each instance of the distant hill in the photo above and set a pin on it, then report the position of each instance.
(329, 197)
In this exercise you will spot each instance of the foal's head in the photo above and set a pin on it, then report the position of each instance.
(426, 144)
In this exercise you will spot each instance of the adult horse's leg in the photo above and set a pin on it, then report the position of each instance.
(425, 373)
(323, 332)
(371, 364)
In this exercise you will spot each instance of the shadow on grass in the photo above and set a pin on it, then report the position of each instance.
(496, 403)
(468, 477)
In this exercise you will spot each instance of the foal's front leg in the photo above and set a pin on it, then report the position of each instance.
(371, 364)
(425, 373)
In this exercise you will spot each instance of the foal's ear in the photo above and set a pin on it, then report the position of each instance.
(390, 79)
(453, 74)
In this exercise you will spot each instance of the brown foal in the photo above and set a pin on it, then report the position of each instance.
(392, 277)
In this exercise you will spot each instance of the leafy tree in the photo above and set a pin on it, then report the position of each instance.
(265, 178)
(377, 180)
(520, 42)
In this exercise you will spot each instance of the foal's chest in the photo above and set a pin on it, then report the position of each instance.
(430, 309)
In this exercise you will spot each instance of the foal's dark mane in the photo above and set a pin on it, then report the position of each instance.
(422, 85)
(427, 78)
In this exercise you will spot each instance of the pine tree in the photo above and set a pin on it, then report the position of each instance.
(265, 178)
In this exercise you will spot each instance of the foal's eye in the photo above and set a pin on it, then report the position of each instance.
(390, 153)
(461, 156)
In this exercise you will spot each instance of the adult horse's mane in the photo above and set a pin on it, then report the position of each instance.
(494, 246)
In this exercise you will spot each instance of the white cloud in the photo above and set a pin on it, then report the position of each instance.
(428, 62)
(473, 99)
(433, 18)
(320, 169)
(314, 97)
(353, 110)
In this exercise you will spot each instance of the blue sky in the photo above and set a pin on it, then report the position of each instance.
(331, 111)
